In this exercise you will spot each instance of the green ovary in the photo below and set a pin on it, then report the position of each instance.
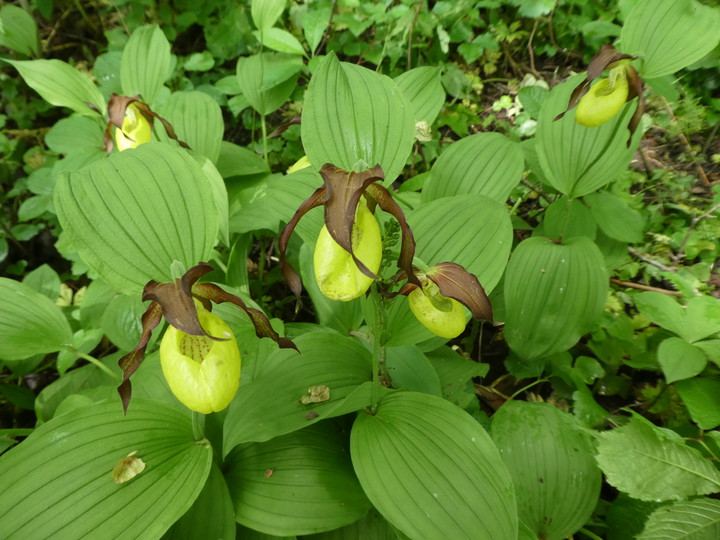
(336, 273)
(204, 374)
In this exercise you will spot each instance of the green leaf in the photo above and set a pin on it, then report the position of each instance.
(121, 321)
(554, 293)
(235, 160)
(532, 98)
(424, 91)
(410, 369)
(534, 8)
(373, 526)
(669, 35)
(131, 215)
(643, 462)
(62, 85)
(680, 360)
(18, 30)
(30, 323)
(279, 40)
(352, 114)
(698, 519)
(627, 516)
(270, 405)
(314, 23)
(700, 319)
(566, 218)
(266, 12)
(299, 483)
(146, 63)
(44, 280)
(445, 227)
(34, 207)
(432, 470)
(615, 217)
(75, 133)
(197, 120)
(220, 196)
(199, 61)
(701, 396)
(268, 79)
(455, 373)
(487, 164)
(212, 514)
(60, 477)
(577, 160)
(549, 457)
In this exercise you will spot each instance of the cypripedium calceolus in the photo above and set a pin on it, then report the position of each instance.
(438, 302)
(198, 353)
(133, 121)
(348, 251)
(597, 101)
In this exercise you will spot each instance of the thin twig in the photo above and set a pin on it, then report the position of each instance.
(536, 189)
(326, 36)
(530, 48)
(648, 260)
(410, 37)
(642, 287)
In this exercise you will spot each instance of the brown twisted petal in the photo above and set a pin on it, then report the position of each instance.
(457, 283)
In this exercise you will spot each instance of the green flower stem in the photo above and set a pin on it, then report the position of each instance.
(378, 357)
(198, 425)
(97, 363)
(589, 534)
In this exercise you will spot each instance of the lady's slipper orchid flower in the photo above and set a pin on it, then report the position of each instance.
(597, 103)
(437, 303)
(133, 121)
(348, 247)
(203, 373)
(176, 302)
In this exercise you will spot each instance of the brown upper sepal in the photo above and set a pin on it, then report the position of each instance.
(457, 283)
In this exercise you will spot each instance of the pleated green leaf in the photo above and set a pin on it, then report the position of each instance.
(18, 30)
(424, 91)
(76, 133)
(270, 405)
(577, 160)
(373, 526)
(266, 12)
(551, 461)
(62, 85)
(131, 215)
(471, 230)
(566, 218)
(197, 120)
(554, 293)
(30, 323)
(236, 160)
(299, 483)
(644, 462)
(487, 164)
(59, 482)
(352, 114)
(615, 217)
(409, 369)
(432, 470)
(669, 35)
(279, 40)
(698, 519)
(268, 79)
(146, 63)
(211, 516)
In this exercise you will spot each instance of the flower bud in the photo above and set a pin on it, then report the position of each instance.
(136, 129)
(337, 275)
(204, 374)
(441, 315)
(604, 100)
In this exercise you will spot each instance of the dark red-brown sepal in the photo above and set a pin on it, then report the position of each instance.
(457, 283)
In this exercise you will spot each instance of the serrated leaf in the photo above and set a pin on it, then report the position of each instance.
(197, 120)
(146, 63)
(487, 164)
(701, 396)
(698, 519)
(641, 461)
(18, 30)
(131, 215)
(549, 456)
(680, 359)
(62, 85)
(30, 323)
(352, 114)
(577, 160)
(615, 217)
(432, 470)
(60, 477)
(299, 483)
(444, 229)
(669, 35)
(424, 91)
(270, 405)
(279, 40)
(554, 293)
